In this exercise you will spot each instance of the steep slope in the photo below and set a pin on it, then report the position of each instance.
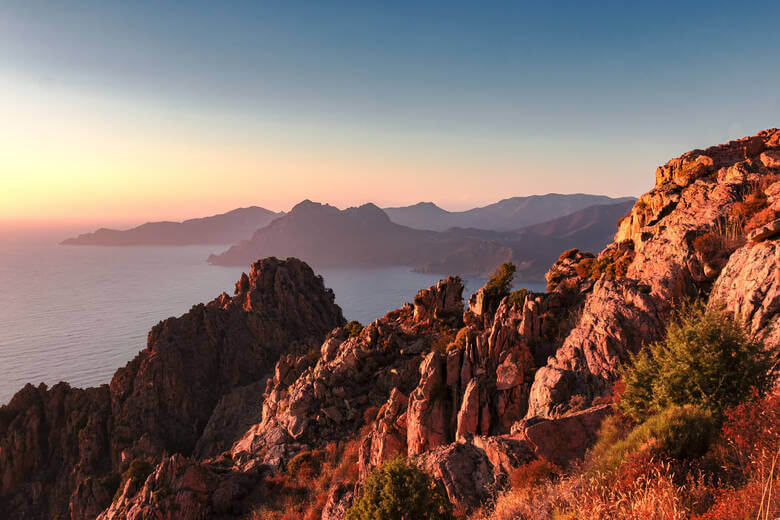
(423, 215)
(63, 449)
(224, 228)
(593, 226)
(326, 236)
(532, 249)
(675, 243)
(470, 395)
(505, 215)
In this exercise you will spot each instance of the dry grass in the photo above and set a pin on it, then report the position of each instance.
(738, 479)
(301, 492)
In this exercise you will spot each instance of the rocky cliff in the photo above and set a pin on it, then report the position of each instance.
(215, 417)
(64, 451)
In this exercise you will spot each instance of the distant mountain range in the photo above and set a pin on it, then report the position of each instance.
(529, 231)
(532, 248)
(225, 228)
(365, 236)
(505, 215)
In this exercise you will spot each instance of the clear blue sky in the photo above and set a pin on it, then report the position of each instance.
(126, 111)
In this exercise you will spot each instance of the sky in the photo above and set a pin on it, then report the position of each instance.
(115, 113)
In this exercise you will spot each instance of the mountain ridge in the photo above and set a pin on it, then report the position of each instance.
(365, 236)
(221, 228)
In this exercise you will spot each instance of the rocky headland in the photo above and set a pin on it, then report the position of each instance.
(228, 405)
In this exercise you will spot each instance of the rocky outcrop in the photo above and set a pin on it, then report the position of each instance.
(619, 317)
(749, 287)
(682, 235)
(166, 395)
(463, 470)
(53, 442)
(444, 302)
(469, 472)
(224, 396)
(62, 450)
(179, 487)
(310, 402)
(565, 439)
(387, 438)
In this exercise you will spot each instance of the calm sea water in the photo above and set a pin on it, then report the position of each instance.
(77, 314)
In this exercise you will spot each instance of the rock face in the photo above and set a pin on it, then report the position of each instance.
(749, 287)
(52, 442)
(226, 395)
(309, 402)
(165, 396)
(564, 439)
(162, 401)
(683, 233)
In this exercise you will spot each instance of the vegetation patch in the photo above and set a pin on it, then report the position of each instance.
(707, 359)
(399, 490)
(613, 262)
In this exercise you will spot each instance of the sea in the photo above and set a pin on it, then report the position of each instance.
(77, 313)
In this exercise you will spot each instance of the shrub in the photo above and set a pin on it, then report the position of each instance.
(303, 462)
(752, 429)
(461, 338)
(370, 414)
(110, 482)
(533, 474)
(708, 246)
(613, 262)
(678, 432)
(760, 218)
(138, 471)
(497, 287)
(585, 267)
(442, 341)
(399, 490)
(706, 359)
(517, 298)
(353, 329)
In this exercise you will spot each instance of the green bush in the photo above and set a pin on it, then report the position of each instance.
(138, 471)
(497, 287)
(397, 491)
(353, 329)
(679, 432)
(461, 339)
(706, 359)
(517, 298)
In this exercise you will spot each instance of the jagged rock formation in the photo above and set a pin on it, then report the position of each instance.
(682, 233)
(310, 403)
(70, 445)
(470, 396)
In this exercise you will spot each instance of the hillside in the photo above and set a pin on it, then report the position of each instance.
(505, 215)
(533, 248)
(356, 237)
(224, 228)
(267, 405)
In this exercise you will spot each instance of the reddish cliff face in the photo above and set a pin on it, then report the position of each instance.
(469, 395)
(707, 229)
(62, 450)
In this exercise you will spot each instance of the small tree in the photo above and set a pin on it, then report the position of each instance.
(399, 490)
(707, 359)
(501, 281)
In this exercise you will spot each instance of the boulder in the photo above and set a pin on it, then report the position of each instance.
(563, 440)
(771, 158)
